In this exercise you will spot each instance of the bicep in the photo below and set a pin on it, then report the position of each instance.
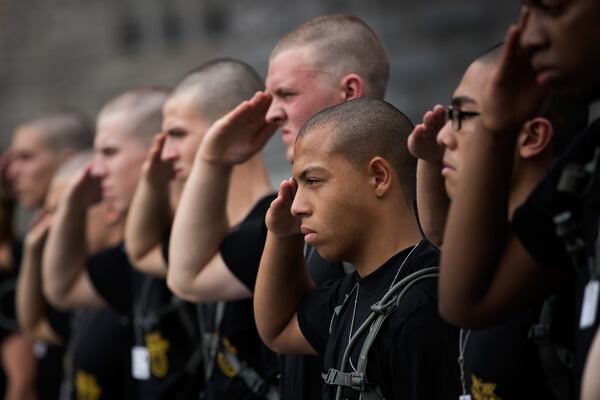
(291, 340)
(215, 282)
(81, 293)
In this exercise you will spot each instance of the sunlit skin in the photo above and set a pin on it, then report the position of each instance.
(184, 129)
(118, 157)
(32, 167)
(299, 91)
(562, 36)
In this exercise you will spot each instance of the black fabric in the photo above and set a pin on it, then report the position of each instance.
(533, 224)
(502, 363)
(98, 356)
(301, 378)
(414, 354)
(8, 283)
(241, 251)
(242, 248)
(170, 339)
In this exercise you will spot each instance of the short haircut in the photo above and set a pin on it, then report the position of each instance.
(63, 128)
(566, 116)
(343, 44)
(365, 128)
(219, 86)
(142, 109)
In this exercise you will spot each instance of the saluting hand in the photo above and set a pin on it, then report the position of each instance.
(240, 134)
(155, 170)
(279, 218)
(512, 95)
(422, 141)
(38, 231)
(84, 190)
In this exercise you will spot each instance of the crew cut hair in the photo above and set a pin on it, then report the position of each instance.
(364, 128)
(219, 86)
(342, 44)
(63, 128)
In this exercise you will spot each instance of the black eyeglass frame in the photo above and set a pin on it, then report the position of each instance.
(456, 115)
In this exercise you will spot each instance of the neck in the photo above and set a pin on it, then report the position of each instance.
(394, 231)
(528, 176)
(249, 183)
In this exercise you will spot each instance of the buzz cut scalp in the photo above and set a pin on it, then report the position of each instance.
(342, 44)
(63, 128)
(364, 128)
(142, 108)
(219, 86)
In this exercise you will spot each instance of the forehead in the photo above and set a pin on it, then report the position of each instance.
(28, 137)
(292, 66)
(473, 81)
(112, 128)
(180, 109)
(312, 147)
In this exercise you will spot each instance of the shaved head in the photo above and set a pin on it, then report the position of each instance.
(342, 44)
(139, 110)
(365, 128)
(218, 86)
(63, 128)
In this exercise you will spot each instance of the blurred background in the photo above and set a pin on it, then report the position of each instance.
(81, 53)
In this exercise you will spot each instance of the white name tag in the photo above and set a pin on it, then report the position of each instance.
(465, 397)
(140, 363)
(590, 304)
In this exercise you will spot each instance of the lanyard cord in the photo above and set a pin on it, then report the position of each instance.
(139, 310)
(357, 287)
(462, 346)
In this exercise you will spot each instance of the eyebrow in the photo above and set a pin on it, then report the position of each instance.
(310, 169)
(176, 131)
(460, 100)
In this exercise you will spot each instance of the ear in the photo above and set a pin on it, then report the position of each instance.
(352, 86)
(380, 172)
(535, 137)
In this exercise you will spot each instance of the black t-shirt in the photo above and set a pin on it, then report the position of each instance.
(534, 225)
(413, 356)
(503, 363)
(163, 325)
(241, 251)
(97, 357)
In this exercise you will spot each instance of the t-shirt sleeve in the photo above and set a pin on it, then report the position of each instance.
(314, 314)
(110, 273)
(60, 322)
(533, 222)
(242, 248)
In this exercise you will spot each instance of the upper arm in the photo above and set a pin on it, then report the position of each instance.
(214, 282)
(517, 282)
(81, 293)
(291, 340)
(151, 263)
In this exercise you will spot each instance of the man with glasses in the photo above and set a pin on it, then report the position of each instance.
(499, 362)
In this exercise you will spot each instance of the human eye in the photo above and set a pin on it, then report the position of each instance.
(108, 151)
(312, 182)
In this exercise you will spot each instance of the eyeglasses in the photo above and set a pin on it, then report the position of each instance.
(456, 115)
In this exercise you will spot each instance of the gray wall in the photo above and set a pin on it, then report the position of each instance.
(81, 53)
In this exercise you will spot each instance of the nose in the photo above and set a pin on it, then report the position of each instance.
(98, 167)
(13, 170)
(300, 206)
(445, 136)
(170, 151)
(533, 35)
(275, 113)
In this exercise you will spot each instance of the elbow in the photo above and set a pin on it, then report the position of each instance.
(56, 296)
(183, 288)
(463, 313)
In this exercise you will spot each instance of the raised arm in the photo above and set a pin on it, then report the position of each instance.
(282, 278)
(150, 213)
(432, 200)
(196, 271)
(65, 280)
(32, 307)
(486, 273)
